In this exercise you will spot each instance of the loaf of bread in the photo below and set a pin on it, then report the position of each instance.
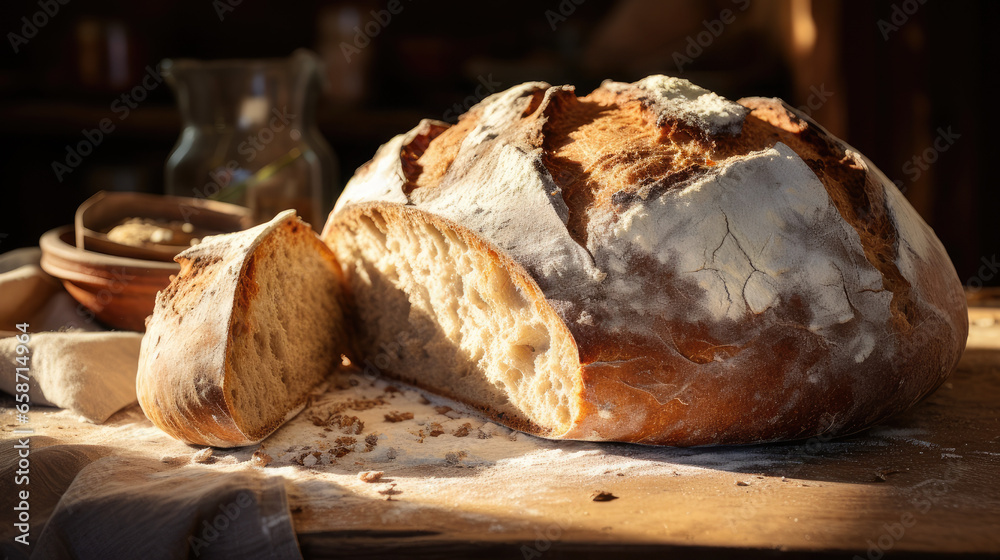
(649, 263)
(252, 323)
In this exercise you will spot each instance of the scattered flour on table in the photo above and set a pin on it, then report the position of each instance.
(433, 454)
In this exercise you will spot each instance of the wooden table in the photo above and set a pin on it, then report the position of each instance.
(924, 484)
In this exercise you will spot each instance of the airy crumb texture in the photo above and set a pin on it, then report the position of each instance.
(727, 272)
(284, 342)
(472, 332)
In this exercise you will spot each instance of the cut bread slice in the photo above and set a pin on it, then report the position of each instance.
(440, 309)
(253, 322)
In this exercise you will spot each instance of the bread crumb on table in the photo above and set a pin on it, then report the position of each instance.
(260, 458)
(396, 416)
(370, 476)
(203, 456)
(602, 496)
(390, 492)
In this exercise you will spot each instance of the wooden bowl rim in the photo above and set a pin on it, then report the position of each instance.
(53, 244)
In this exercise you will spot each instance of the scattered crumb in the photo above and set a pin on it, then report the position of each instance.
(390, 492)
(882, 475)
(203, 456)
(442, 409)
(260, 459)
(301, 459)
(742, 483)
(365, 404)
(371, 440)
(455, 459)
(462, 431)
(351, 425)
(436, 433)
(395, 416)
(344, 445)
(370, 476)
(602, 496)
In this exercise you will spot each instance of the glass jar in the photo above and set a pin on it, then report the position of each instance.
(250, 136)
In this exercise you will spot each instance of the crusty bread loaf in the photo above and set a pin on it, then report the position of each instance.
(251, 324)
(649, 263)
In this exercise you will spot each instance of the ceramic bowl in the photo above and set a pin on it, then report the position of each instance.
(119, 291)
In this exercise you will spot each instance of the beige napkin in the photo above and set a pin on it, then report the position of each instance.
(120, 507)
(75, 362)
(86, 502)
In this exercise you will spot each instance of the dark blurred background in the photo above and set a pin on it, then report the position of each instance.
(905, 82)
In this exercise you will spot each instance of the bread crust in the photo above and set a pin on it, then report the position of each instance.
(183, 367)
(730, 273)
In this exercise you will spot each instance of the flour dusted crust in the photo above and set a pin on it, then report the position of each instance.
(729, 272)
(185, 364)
